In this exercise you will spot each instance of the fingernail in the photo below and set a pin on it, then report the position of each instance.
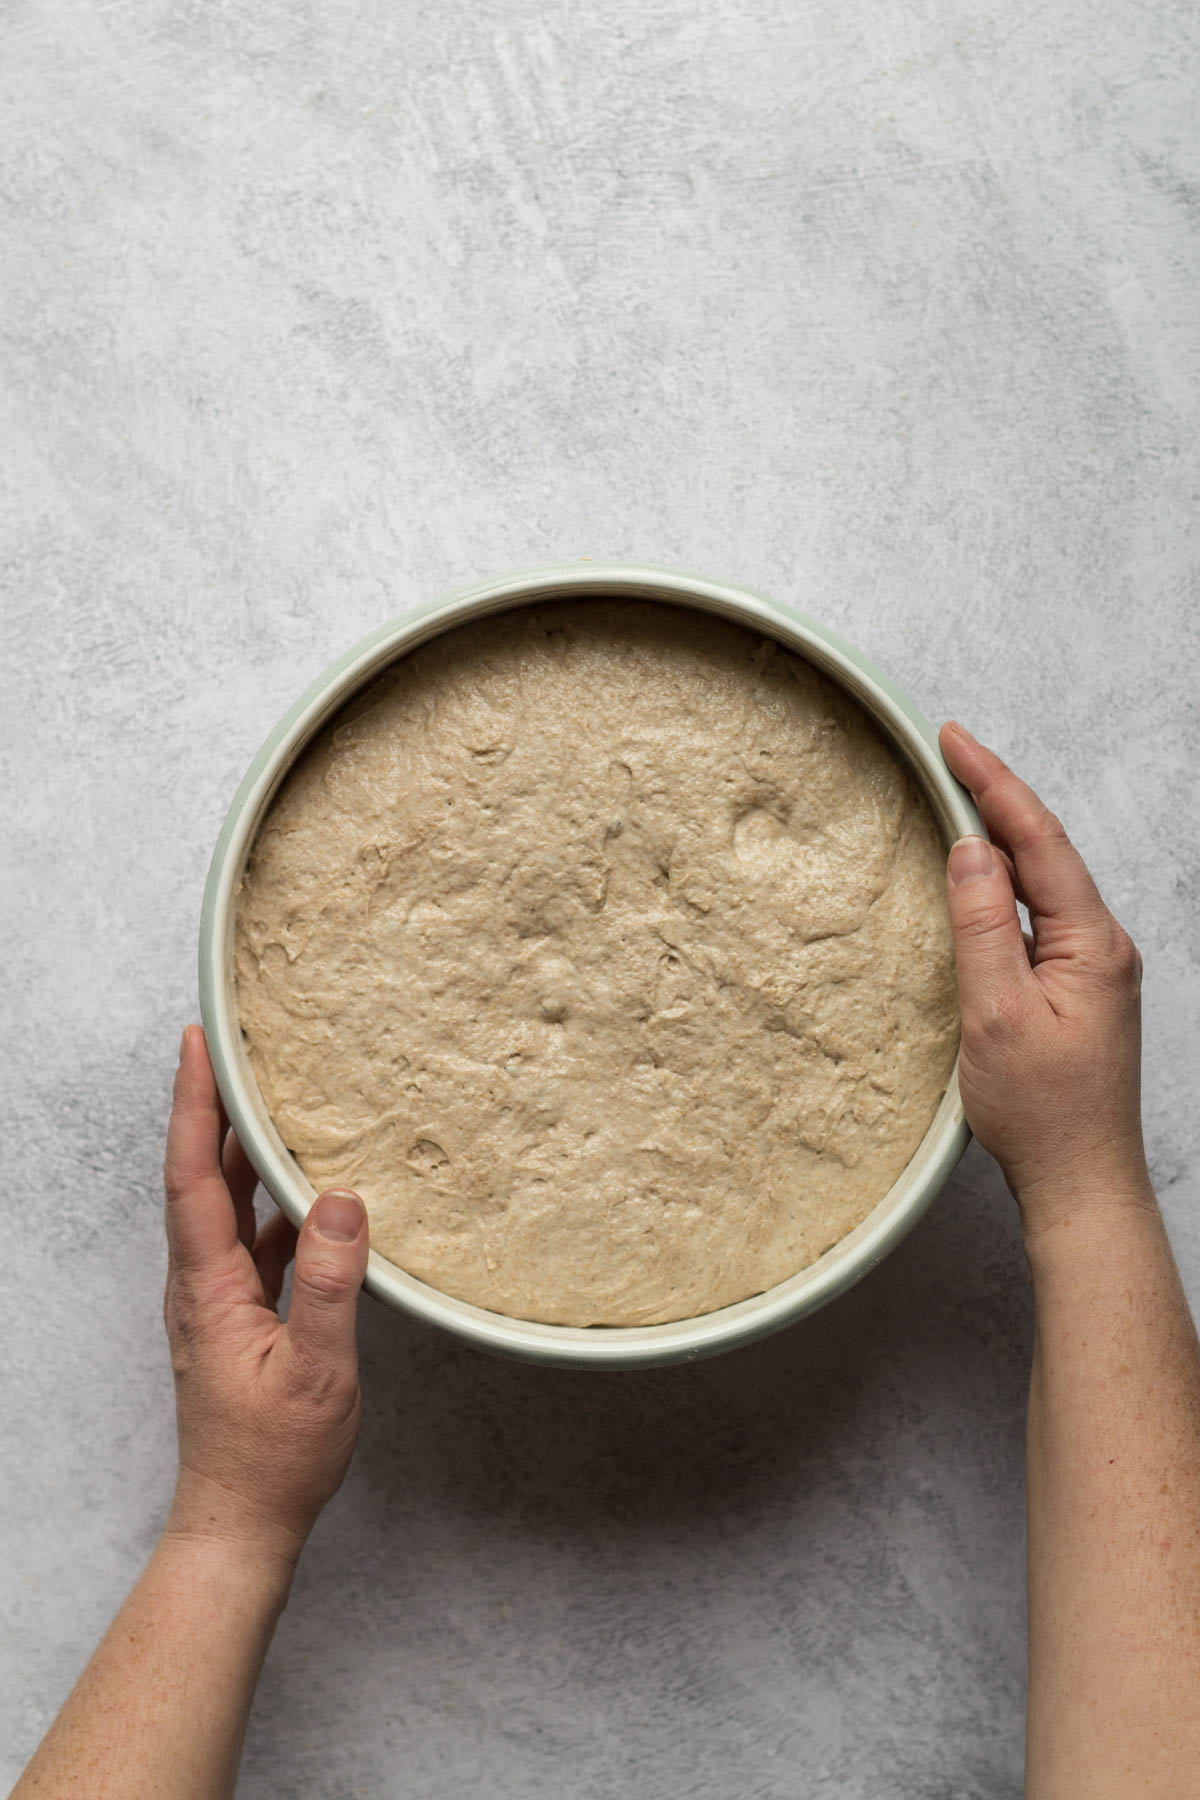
(961, 730)
(183, 1044)
(338, 1215)
(971, 859)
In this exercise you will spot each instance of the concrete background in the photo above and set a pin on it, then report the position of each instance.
(309, 312)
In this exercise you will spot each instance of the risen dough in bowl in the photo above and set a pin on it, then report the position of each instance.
(602, 947)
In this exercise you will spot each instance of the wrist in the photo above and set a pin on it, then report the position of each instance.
(1111, 1179)
(241, 1578)
(206, 1512)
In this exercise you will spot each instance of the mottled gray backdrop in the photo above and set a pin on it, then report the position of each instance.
(886, 307)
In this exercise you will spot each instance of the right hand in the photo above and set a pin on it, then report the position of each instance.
(1050, 1063)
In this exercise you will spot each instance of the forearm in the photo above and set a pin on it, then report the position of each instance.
(1113, 1493)
(161, 1709)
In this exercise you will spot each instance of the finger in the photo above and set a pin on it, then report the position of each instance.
(331, 1260)
(996, 839)
(274, 1248)
(241, 1178)
(989, 945)
(1053, 875)
(201, 1223)
(1006, 857)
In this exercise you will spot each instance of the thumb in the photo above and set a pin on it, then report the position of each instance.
(989, 946)
(331, 1260)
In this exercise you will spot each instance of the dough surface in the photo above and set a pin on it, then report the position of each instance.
(602, 947)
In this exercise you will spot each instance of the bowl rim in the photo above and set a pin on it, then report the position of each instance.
(617, 1346)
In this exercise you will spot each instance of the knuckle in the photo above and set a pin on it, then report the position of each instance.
(986, 921)
(221, 1288)
(190, 1307)
(334, 1387)
(181, 1336)
(322, 1282)
(1125, 960)
(178, 1301)
(327, 1383)
(992, 1017)
(1040, 827)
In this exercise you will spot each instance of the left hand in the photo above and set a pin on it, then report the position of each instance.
(268, 1412)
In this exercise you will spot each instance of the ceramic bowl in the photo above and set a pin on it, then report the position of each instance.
(610, 1346)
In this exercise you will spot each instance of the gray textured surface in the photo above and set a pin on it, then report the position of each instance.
(309, 312)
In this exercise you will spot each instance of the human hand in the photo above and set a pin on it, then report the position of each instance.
(1050, 1064)
(268, 1412)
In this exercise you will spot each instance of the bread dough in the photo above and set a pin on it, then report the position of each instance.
(602, 947)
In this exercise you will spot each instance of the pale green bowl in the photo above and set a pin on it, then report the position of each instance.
(608, 1346)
